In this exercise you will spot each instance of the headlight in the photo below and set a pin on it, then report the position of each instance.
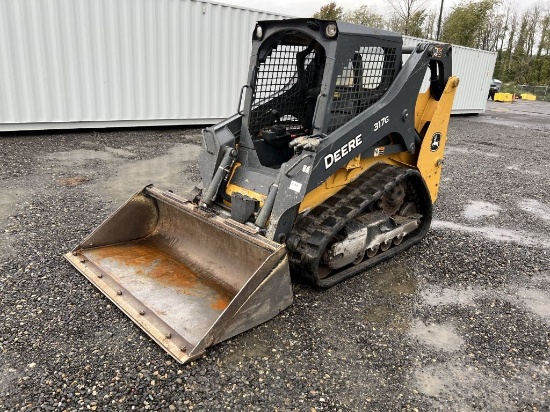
(259, 32)
(331, 30)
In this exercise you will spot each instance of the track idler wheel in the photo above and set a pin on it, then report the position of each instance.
(371, 252)
(385, 245)
(397, 240)
(359, 258)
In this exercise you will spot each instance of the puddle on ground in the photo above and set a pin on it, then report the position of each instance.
(79, 156)
(448, 296)
(249, 347)
(446, 379)
(518, 168)
(165, 172)
(119, 152)
(464, 383)
(478, 209)
(9, 198)
(456, 149)
(439, 336)
(536, 208)
(73, 181)
(496, 234)
(428, 382)
(8, 377)
(380, 314)
(537, 301)
(5, 249)
(472, 151)
(393, 279)
(386, 316)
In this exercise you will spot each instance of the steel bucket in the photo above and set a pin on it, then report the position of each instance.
(187, 277)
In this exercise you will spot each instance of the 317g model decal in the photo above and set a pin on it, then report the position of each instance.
(381, 122)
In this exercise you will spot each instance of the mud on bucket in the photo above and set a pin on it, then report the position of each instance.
(188, 278)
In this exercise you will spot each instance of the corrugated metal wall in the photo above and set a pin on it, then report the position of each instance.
(106, 63)
(102, 63)
(474, 68)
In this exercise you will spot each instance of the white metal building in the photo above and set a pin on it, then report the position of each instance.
(118, 63)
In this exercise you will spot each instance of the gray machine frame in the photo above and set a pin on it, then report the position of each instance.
(230, 140)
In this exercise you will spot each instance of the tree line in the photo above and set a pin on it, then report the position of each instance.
(521, 39)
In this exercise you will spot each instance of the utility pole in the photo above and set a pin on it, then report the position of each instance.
(439, 21)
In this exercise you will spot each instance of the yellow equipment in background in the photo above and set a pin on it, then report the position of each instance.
(528, 96)
(504, 97)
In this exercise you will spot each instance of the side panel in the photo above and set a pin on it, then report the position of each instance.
(430, 158)
(393, 113)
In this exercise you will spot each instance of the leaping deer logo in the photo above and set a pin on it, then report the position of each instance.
(436, 140)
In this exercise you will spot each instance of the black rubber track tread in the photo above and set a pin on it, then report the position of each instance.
(316, 229)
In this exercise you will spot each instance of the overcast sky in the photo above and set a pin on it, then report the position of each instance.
(306, 8)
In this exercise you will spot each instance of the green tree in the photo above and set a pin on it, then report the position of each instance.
(493, 31)
(329, 11)
(466, 23)
(408, 16)
(533, 21)
(541, 65)
(416, 24)
(524, 67)
(545, 35)
(365, 16)
(506, 26)
(511, 39)
(519, 64)
(430, 21)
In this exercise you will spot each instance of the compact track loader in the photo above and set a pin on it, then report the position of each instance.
(330, 166)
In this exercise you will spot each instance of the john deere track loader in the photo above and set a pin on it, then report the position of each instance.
(330, 166)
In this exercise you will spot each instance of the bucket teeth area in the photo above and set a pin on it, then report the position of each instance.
(190, 280)
(165, 286)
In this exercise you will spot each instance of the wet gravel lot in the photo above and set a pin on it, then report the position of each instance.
(459, 322)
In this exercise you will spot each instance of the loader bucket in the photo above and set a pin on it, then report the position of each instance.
(187, 277)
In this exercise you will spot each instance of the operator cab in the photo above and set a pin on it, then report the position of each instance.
(310, 79)
(287, 81)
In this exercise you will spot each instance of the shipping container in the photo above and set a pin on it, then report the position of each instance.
(67, 64)
(106, 63)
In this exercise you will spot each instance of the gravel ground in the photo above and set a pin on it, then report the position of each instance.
(458, 322)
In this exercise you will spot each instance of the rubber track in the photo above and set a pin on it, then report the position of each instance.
(311, 234)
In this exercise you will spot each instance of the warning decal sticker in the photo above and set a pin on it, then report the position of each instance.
(379, 151)
(295, 186)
